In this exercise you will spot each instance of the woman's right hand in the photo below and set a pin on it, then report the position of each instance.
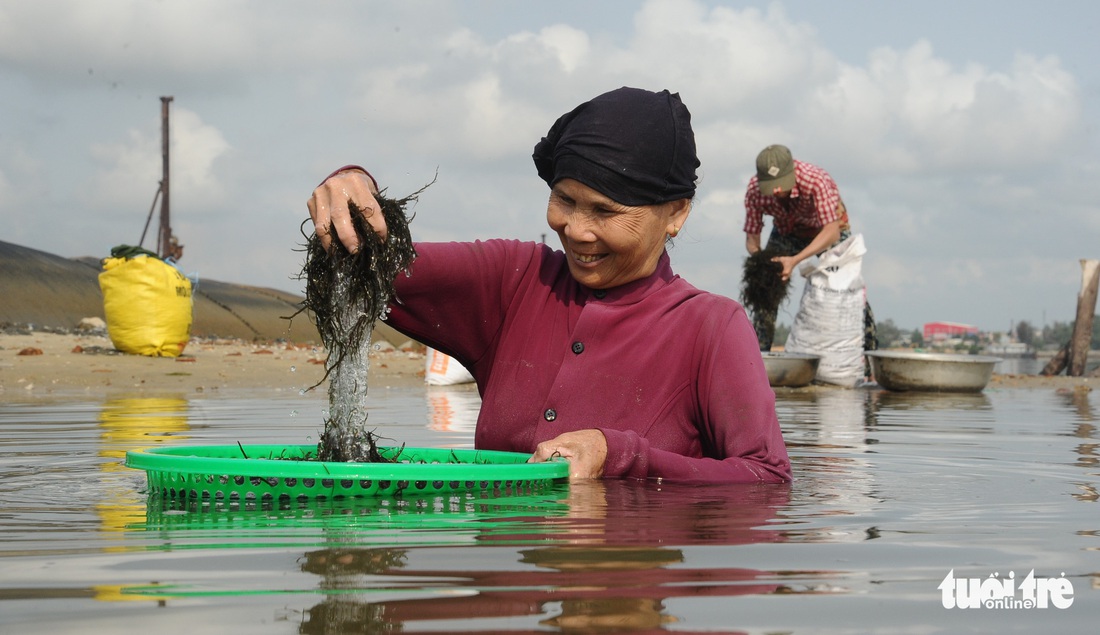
(329, 209)
(586, 451)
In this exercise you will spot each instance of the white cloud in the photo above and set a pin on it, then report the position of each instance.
(120, 38)
(198, 147)
(496, 124)
(919, 114)
(131, 169)
(563, 45)
(946, 162)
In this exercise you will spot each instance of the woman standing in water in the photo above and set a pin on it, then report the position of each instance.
(598, 353)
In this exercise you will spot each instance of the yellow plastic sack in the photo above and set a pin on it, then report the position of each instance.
(147, 303)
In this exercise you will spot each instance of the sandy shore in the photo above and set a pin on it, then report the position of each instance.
(43, 365)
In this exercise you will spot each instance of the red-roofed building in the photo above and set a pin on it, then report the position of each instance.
(939, 331)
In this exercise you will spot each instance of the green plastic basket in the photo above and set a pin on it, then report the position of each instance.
(268, 473)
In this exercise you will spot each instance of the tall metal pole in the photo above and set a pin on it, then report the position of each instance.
(164, 246)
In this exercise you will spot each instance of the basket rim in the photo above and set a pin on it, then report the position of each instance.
(473, 465)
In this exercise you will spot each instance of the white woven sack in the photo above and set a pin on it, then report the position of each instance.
(829, 322)
(441, 369)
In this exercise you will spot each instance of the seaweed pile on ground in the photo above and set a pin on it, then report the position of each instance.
(762, 289)
(345, 294)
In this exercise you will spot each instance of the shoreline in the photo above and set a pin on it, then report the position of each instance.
(43, 365)
(75, 365)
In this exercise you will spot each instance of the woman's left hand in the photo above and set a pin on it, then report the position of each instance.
(586, 451)
(329, 207)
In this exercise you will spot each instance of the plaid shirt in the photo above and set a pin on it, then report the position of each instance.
(814, 203)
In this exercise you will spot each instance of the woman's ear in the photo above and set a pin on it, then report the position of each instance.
(677, 215)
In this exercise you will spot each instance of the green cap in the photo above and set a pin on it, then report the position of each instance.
(775, 169)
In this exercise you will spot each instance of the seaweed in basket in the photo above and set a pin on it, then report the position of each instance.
(345, 294)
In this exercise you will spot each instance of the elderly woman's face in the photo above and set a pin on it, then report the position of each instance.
(608, 244)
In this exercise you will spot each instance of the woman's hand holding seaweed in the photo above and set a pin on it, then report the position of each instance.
(332, 205)
(586, 451)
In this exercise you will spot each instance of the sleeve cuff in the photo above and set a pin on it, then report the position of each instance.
(627, 455)
(353, 167)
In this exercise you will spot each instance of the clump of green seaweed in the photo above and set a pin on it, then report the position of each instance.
(762, 289)
(345, 294)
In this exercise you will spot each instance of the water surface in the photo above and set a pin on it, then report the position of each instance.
(891, 493)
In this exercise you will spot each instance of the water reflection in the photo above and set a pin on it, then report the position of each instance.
(128, 423)
(414, 519)
(892, 491)
(453, 409)
(838, 419)
(929, 412)
(1088, 451)
(965, 401)
(608, 565)
(830, 433)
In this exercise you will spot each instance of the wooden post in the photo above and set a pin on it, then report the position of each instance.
(1057, 363)
(1081, 341)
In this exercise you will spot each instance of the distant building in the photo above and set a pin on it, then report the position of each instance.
(939, 331)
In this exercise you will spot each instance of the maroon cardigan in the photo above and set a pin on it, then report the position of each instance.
(671, 375)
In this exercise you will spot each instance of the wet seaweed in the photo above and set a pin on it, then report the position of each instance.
(762, 289)
(345, 294)
(367, 274)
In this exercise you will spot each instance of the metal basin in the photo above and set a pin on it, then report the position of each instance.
(790, 369)
(931, 372)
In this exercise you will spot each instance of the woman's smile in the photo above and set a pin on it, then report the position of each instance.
(609, 244)
(588, 259)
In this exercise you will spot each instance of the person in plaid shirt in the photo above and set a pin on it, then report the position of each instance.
(808, 217)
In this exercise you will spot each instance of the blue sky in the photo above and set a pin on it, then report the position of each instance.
(963, 135)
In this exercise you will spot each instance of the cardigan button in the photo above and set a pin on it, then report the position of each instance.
(550, 414)
(600, 294)
(578, 348)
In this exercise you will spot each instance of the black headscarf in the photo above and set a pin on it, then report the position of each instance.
(631, 145)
